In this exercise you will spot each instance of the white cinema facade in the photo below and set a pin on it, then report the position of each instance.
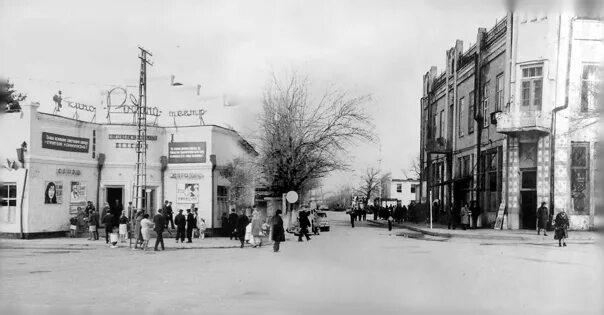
(67, 162)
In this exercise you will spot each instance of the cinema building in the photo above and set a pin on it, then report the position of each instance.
(52, 165)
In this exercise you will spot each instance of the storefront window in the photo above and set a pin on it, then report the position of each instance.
(8, 201)
(580, 176)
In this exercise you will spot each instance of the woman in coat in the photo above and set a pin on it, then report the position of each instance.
(137, 228)
(465, 216)
(561, 224)
(542, 217)
(146, 227)
(256, 229)
(278, 231)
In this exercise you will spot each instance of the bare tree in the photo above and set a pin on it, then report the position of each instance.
(241, 174)
(341, 199)
(370, 183)
(302, 139)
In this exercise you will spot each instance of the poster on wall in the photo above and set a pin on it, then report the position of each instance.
(186, 152)
(53, 193)
(78, 192)
(187, 193)
(76, 209)
(64, 143)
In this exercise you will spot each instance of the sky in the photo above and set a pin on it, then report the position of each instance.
(231, 48)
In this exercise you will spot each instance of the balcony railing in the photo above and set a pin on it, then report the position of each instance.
(438, 145)
(517, 122)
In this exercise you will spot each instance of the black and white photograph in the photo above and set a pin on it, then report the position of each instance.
(301, 157)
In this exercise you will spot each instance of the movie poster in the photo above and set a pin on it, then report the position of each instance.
(53, 193)
(187, 193)
(78, 193)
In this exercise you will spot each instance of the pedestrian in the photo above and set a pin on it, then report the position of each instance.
(450, 223)
(130, 210)
(542, 217)
(315, 223)
(140, 215)
(146, 226)
(108, 220)
(89, 208)
(181, 222)
(93, 223)
(390, 219)
(123, 228)
(160, 224)
(375, 210)
(191, 224)
(256, 229)
(242, 223)
(278, 231)
(73, 225)
(304, 225)
(561, 224)
(224, 220)
(168, 212)
(351, 213)
(116, 211)
(201, 227)
(233, 219)
(465, 216)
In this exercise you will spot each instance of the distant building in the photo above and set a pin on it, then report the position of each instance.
(399, 191)
(488, 121)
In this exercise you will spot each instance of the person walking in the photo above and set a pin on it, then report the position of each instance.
(465, 216)
(278, 231)
(93, 223)
(140, 215)
(123, 227)
(542, 217)
(168, 212)
(304, 225)
(191, 224)
(256, 230)
(224, 220)
(242, 222)
(390, 219)
(146, 226)
(201, 227)
(108, 220)
(375, 210)
(160, 224)
(233, 218)
(561, 224)
(181, 222)
(351, 213)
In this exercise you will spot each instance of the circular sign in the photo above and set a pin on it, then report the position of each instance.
(292, 196)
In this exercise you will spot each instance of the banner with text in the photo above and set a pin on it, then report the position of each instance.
(186, 152)
(64, 143)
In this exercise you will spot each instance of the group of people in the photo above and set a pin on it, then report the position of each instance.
(248, 227)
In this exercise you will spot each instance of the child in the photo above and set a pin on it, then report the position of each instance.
(73, 226)
(123, 227)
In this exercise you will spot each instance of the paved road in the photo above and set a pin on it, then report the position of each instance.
(355, 271)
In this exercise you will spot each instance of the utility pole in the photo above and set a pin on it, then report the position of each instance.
(141, 196)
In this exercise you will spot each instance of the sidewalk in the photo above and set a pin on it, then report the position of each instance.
(82, 243)
(440, 230)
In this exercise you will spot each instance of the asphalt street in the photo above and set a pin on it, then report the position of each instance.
(345, 271)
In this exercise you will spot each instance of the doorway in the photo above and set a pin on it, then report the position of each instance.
(528, 199)
(113, 194)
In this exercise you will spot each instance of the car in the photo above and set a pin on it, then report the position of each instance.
(323, 208)
(323, 221)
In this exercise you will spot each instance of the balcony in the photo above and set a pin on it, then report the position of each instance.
(519, 122)
(438, 145)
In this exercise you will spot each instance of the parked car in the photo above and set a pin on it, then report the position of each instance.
(323, 221)
(323, 208)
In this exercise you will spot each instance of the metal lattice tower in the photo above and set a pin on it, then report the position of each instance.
(141, 139)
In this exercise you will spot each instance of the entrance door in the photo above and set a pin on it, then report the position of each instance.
(528, 199)
(114, 194)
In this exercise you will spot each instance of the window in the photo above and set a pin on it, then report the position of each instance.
(485, 105)
(499, 93)
(399, 187)
(590, 85)
(461, 106)
(441, 124)
(8, 195)
(579, 185)
(434, 126)
(471, 112)
(532, 88)
(413, 189)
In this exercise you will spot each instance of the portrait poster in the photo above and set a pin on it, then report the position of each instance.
(78, 193)
(187, 193)
(53, 192)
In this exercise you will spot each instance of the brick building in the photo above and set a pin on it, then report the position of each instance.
(488, 120)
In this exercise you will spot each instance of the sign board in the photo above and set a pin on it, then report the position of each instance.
(186, 152)
(500, 216)
(64, 143)
(292, 197)
(78, 193)
(187, 193)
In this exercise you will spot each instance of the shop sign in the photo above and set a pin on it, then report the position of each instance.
(187, 193)
(130, 137)
(64, 143)
(67, 171)
(117, 99)
(186, 152)
(53, 193)
(187, 113)
(187, 176)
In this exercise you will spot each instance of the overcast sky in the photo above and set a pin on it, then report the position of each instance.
(231, 48)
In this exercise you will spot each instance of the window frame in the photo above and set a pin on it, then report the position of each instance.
(460, 117)
(471, 105)
(499, 95)
(587, 84)
(531, 81)
(485, 104)
(399, 188)
(8, 197)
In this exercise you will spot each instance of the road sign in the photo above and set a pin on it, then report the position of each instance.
(292, 196)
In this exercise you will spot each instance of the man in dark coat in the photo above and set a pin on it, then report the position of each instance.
(191, 224)
(160, 225)
(168, 212)
(542, 217)
(278, 231)
(181, 222)
(233, 223)
(351, 212)
(109, 221)
(224, 219)
(242, 222)
(304, 225)
(116, 210)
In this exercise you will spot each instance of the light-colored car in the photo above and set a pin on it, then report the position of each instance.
(323, 221)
